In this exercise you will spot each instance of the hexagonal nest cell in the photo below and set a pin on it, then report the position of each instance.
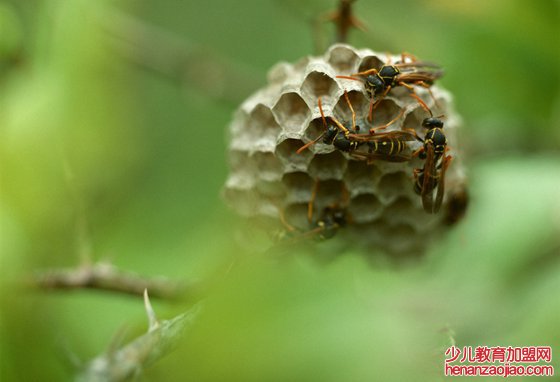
(269, 177)
(318, 84)
(292, 111)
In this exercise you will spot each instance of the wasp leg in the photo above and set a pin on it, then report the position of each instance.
(287, 226)
(411, 57)
(382, 127)
(416, 97)
(350, 78)
(421, 103)
(352, 110)
(417, 152)
(311, 143)
(320, 104)
(370, 111)
(428, 87)
(365, 72)
(312, 201)
(337, 123)
(340, 126)
(382, 96)
(389, 59)
(373, 105)
(413, 132)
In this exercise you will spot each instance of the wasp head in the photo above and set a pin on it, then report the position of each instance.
(374, 85)
(432, 122)
(339, 217)
(330, 135)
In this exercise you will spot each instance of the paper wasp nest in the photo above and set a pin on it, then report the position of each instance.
(267, 177)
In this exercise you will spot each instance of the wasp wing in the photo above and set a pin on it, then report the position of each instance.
(399, 135)
(418, 64)
(441, 183)
(370, 157)
(420, 75)
(430, 180)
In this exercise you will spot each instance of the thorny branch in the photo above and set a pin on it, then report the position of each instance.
(103, 276)
(345, 20)
(130, 360)
(159, 51)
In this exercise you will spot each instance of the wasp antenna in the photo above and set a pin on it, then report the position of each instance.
(421, 103)
(312, 201)
(432, 96)
(370, 111)
(389, 58)
(365, 73)
(349, 78)
(320, 103)
(302, 148)
(404, 55)
(351, 109)
(340, 125)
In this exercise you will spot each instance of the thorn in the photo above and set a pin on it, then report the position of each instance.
(152, 319)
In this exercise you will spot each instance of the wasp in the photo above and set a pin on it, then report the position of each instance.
(378, 83)
(430, 178)
(340, 136)
(386, 146)
(331, 219)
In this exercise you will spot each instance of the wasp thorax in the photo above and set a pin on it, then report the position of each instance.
(436, 136)
(389, 71)
(377, 208)
(342, 143)
(388, 74)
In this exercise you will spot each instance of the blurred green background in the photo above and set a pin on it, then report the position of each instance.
(112, 123)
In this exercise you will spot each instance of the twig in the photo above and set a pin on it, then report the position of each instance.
(106, 277)
(344, 20)
(164, 53)
(131, 359)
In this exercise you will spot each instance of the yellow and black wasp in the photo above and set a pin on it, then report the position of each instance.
(430, 179)
(332, 217)
(407, 73)
(387, 146)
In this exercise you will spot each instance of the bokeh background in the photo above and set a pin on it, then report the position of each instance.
(112, 145)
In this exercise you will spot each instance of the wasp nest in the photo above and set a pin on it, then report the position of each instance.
(271, 182)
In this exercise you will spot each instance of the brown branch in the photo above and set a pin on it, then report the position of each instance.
(345, 20)
(106, 277)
